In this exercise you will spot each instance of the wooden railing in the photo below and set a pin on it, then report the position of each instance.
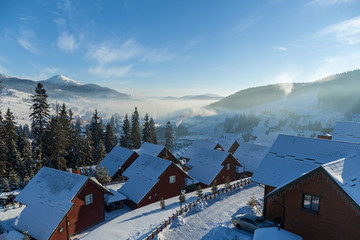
(235, 186)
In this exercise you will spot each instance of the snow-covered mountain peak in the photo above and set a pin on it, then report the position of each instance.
(62, 80)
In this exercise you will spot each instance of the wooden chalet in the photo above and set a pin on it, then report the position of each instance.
(117, 161)
(188, 152)
(60, 204)
(208, 166)
(250, 156)
(346, 132)
(229, 145)
(312, 187)
(150, 179)
(157, 151)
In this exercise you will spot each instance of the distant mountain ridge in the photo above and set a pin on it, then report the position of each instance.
(208, 96)
(339, 92)
(63, 88)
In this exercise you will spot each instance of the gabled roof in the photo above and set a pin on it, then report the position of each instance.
(150, 149)
(290, 157)
(206, 164)
(47, 198)
(225, 143)
(344, 172)
(115, 159)
(198, 144)
(142, 175)
(250, 155)
(347, 131)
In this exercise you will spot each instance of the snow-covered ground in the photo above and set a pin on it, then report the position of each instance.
(212, 219)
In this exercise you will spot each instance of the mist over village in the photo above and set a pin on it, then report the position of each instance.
(180, 120)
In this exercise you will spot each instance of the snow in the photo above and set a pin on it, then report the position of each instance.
(115, 159)
(142, 175)
(206, 164)
(47, 198)
(199, 222)
(115, 197)
(7, 219)
(62, 80)
(193, 148)
(347, 131)
(12, 235)
(290, 157)
(274, 234)
(226, 144)
(150, 149)
(346, 173)
(250, 155)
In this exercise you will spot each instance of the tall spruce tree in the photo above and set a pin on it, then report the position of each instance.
(169, 139)
(147, 130)
(110, 139)
(125, 136)
(153, 131)
(56, 149)
(25, 153)
(135, 130)
(96, 129)
(39, 118)
(100, 153)
(88, 149)
(10, 136)
(3, 151)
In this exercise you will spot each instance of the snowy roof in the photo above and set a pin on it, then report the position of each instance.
(250, 155)
(346, 174)
(47, 198)
(115, 159)
(115, 197)
(206, 164)
(197, 144)
(274, 234)
(346, 131)
(226, 144)
(142, 175)
(150, 149)
(290, 157)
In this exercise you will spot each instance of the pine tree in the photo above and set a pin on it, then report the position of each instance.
(14, 180)
(39, 117)
(88, 149)
(110, 139)
(4, 184)
(227, 182)
(102, 175)
(147, 130)
(100, 153)
(96, 129)
(57, 144)
(169, 137)
(182, 198)
(24, 147)
(214, 187)
(78, 125)
(125, 136)
(11, 137)
(135, 130)
(199, 191)
(3, 150)
(153, 131)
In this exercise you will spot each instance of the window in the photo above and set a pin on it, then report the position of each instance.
(172, 179)
(149, 197)
(311, 202)
(228, 166)
(61, 229)
(88, 199)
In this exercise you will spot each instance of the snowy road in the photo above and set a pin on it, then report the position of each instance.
(213, 219)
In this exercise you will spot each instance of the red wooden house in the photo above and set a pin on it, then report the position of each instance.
(209, 166)
(229, 145)
(157, 151)
(312, 187)
(150, 179)
(60, 204)
(188, 152)
(118, 160)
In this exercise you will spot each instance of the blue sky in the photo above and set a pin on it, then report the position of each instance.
(168, 47)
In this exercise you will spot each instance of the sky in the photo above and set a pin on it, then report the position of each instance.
(176, 48)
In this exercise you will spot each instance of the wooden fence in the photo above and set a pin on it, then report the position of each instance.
(235, 186)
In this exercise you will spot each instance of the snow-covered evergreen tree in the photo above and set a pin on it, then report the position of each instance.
(169, 138)
(135, 130)
(110, 139)
(88, 149)
(147, 130)
(102, 175)
(39, 118)
(125, 136)
(199, 191)
(153, 131)
(100, 153)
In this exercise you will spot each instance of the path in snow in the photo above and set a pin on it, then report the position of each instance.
(214, 219)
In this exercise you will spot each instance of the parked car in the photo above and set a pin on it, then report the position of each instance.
(250, 222)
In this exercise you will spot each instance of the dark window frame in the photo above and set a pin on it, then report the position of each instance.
(314, 206)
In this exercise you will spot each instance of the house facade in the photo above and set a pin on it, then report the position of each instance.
(150, 179)
(60, 204)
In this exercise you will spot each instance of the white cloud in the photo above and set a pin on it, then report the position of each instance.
(108, 72)
(25, 39)
(60, 22)
(281, 49)
(347, 31)
(192, 44)
(128, 50)
(329, 2)
(67, 42)
(336, 64)
(3, 70)
(286, 82)
(245, 24)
